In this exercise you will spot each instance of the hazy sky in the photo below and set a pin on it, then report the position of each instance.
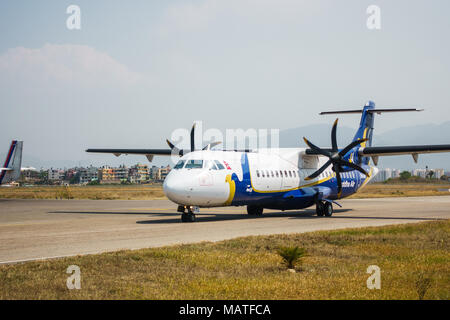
(137, 70)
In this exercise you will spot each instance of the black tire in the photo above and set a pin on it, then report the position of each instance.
(255, 210)
(188, 217)
(328, 209)
(320, 209)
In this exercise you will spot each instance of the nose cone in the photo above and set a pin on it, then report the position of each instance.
(175, 188)
(196, 188)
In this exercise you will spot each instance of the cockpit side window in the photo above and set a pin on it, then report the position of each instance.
(194, 164)
(180, 164)
(219, 165)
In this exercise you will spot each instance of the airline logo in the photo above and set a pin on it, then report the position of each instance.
(227, 165)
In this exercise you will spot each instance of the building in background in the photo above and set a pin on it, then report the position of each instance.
(106, 175)
(162, 173)
(385, 174)
(139, 174)
(88, 174)
(121, 173)
(55, 175)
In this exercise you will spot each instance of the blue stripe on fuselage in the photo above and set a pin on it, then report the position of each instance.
(296, 198)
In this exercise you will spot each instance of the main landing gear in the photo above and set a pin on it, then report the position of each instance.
(324, 208)
(255, 210)
(188, 216)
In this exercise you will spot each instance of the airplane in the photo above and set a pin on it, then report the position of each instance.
(12, 166)
(281, 178)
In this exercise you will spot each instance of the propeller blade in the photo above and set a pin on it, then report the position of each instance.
(338, 178)
(354, 166)
(174, 149)
(344, 151)
(171, 145)
(212, 145)
(193, 138)
(318, 172)
(333, 136)
(315, 148)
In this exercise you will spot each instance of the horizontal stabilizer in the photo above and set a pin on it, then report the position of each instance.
(400, 150)
(377, 111)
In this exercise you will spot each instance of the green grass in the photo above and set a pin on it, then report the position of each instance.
(250, 268)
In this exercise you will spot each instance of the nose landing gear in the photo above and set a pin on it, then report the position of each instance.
(188, 216)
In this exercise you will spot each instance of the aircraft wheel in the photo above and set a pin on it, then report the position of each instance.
(328, 209)
(254, 210)
(320, 209)
(188, 217)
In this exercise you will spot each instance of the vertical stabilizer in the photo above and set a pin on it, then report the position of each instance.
(365, 129)
(11, 168)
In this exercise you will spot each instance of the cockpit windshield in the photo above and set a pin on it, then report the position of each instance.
(180, 164)
(199, 164)
(210, 165)
(194, 164)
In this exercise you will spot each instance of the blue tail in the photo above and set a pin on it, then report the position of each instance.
(365, 129)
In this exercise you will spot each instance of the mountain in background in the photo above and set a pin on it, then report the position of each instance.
(319, 134)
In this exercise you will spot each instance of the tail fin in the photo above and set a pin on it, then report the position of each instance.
(365, 129)
(11, 168)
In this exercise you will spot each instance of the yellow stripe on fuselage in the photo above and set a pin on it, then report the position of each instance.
(232, 189)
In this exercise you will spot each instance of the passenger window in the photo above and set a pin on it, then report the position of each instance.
(262, 172)
(290, 173)
(281, 173)
(219, 165)
(257, 173)
(276, 172)
(271, 172)
(194, 164)
(267, 173)
(285, 173)
(180, 164)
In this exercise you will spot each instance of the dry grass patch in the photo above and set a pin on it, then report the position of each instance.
(382, 190)
(250, 268)
(101, 192)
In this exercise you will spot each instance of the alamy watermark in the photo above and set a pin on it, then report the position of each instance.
(232, 140)
(374, 19)
(374, 281)
(73, 22)
(74, 281)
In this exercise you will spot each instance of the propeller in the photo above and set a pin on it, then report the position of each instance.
(336, 158)
(192, 136)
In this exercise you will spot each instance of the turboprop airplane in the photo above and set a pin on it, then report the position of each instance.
(282, 178)
(12, 167)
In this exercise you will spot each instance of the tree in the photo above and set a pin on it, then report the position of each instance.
(405, 175)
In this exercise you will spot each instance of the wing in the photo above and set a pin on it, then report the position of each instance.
(376, 152)
(149, 153)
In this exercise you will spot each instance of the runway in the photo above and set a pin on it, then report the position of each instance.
(42, 229)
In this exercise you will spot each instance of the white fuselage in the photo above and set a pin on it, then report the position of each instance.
(271, 172)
